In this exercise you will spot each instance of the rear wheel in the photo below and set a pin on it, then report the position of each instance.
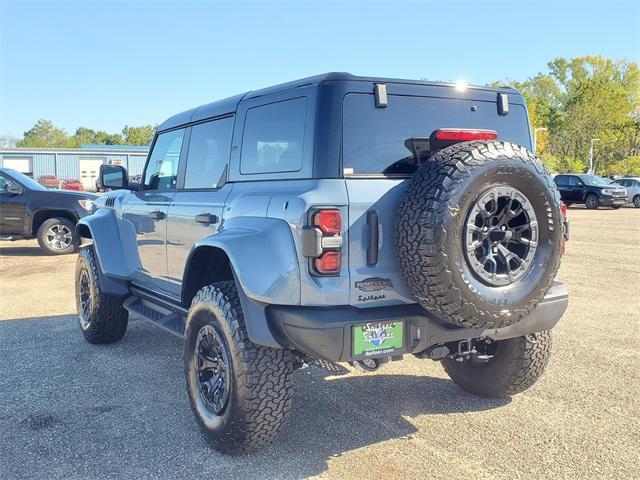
(591, 201)
(504, 367)
(240, 392)
(57, 236)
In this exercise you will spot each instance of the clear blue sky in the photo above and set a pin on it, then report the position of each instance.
(103, 65)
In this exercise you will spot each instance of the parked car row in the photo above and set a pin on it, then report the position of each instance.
(594, 191)
(53, 182)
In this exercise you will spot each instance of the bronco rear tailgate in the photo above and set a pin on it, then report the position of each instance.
(380, 146)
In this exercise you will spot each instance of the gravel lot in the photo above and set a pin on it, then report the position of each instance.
(72, 410)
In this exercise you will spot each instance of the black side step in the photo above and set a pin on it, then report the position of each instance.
(163, 313)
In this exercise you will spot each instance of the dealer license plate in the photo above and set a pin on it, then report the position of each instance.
(378, 338)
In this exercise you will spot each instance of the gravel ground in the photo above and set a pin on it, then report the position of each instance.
(73, 410)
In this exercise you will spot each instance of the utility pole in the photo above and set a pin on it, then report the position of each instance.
(535, 137)
(590, 171)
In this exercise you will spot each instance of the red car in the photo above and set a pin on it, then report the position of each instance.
(72, 184)
(48, 181)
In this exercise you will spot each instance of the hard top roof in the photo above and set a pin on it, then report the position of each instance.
(229, 105)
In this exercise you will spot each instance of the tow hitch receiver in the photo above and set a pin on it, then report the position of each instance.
(465, 347)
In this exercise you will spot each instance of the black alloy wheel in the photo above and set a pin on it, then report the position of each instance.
(501, 235)
(212, 364)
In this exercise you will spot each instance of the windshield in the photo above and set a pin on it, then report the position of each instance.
(594, 181)
(24, 180)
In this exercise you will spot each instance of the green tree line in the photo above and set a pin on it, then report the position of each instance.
(581, 99)
(44, 134)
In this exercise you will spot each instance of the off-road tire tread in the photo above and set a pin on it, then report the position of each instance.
(522, 365)
(421, 235)
(263, 385)
(110, 318)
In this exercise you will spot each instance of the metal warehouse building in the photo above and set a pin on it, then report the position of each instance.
(77, 163)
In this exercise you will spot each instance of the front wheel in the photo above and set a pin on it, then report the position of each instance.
(57, 236)
(502, 368)
(636, 201)
(240, 392)
(591, 201)
(102, 317)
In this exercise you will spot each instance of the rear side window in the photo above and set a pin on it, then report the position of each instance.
(273, 137)
(387, 140)
(162, 167)
(208, 155)
(574, 182)
(561, 181)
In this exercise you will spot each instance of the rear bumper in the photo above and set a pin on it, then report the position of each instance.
(326, 332)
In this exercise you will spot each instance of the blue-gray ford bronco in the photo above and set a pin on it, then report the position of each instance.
(340, 218)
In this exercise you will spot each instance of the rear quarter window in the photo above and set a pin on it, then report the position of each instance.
(561, 180)
(375, 139)
(273, 137)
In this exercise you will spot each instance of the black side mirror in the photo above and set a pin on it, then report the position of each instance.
(112, 177)
(13, 189)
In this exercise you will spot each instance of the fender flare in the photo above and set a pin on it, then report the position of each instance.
(110, 238)
(262, 255)
(264, 263)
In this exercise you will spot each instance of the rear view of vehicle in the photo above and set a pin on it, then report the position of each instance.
(340, 218)
(474, 235)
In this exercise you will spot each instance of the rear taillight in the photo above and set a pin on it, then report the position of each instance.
(465, 134)
(329, 263)
(322, 241)
(563, 208)
(329, 221)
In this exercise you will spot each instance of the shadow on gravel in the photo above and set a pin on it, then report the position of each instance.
(73, 410)
(21, 252)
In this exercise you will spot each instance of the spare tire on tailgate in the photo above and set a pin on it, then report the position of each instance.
(479, 234)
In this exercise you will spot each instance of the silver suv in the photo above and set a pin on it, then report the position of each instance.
(336, 217)
(632, 185)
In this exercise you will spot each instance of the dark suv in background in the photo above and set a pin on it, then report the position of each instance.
(591, 190)
(29, 210)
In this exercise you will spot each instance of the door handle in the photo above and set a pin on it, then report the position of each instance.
(157, 215)
(206, 218)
